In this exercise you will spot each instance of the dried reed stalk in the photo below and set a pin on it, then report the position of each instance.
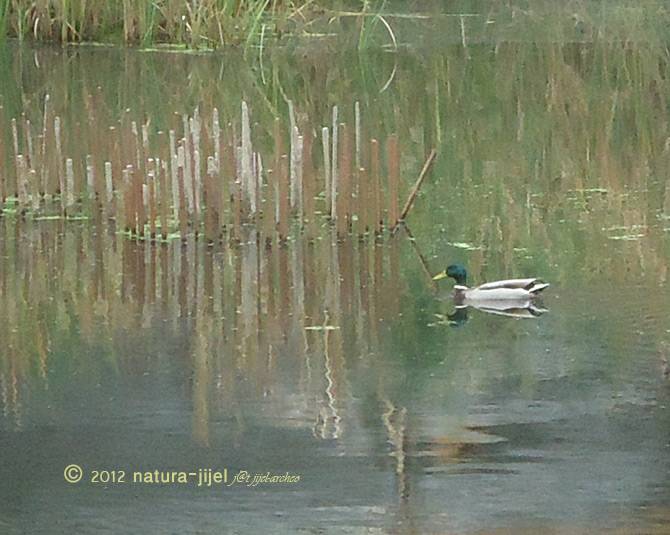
(197, 188)
(128, 204)
(309, 185)
(297, 171)
(90, 178)
(110, 207)
(183, 224)
(185, 161)
(140, 203)
(246, 161)
(269, 207)
(210, 200)
(3, 171)
(14, 188)
(333, 169)
(69, 180)
(173, 174)
(375, 183)
(237, 197)
(344, 211)
(365, 212)
(28, 136)
(164, 198)
(22, 193)
(216, 135)
(194, 124)
(44, 168)
(59, 164)
(393, 169)
(153, 209)
(33, 181)
(293, 156)
(325, 144)
(258, 183)
(357, 133)
(283, 198)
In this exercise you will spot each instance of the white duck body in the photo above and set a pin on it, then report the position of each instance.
(520, 290)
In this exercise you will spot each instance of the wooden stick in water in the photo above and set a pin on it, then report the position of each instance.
(415, 190)
(422, 258)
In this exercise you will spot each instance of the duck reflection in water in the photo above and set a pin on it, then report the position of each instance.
(526, 310)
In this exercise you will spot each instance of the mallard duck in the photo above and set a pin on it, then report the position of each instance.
(520, 290)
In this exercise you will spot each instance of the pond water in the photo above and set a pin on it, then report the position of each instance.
(339, 361)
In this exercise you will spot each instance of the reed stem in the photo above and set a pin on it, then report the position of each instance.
(393, 170)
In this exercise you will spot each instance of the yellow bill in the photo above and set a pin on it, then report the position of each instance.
(440, 275)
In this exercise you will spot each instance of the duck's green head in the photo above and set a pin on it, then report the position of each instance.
(456, 272)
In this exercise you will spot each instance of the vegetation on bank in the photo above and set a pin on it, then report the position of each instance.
(192, 23)
(208, 24)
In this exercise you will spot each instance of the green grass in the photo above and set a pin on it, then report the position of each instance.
(369, 23)
(208, 23)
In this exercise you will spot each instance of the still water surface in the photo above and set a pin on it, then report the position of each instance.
(337, 361)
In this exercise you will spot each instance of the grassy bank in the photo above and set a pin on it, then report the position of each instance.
(208, 24)
(203, 23)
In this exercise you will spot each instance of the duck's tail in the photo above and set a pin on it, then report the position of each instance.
(538, 287)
